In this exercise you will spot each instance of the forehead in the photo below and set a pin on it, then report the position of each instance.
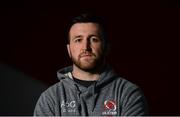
(82, 28)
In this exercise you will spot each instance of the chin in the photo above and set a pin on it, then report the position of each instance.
(87, 67)
(91, 67)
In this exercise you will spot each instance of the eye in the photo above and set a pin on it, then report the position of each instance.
(77, 40)
(95, 39)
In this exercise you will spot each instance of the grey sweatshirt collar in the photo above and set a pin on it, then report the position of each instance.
(106, 77)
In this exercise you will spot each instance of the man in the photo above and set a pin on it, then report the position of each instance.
(90, 87)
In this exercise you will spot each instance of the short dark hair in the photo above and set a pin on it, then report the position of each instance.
(90, 18)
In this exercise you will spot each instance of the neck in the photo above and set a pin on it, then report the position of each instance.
(85, 75)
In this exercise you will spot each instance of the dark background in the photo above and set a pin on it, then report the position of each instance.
(144, 37)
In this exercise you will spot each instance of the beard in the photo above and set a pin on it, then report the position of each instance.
(88, 64)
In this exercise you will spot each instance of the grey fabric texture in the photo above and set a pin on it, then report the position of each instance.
(111, 95)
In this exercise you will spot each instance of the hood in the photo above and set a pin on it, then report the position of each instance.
(107, 75)
(63, 73)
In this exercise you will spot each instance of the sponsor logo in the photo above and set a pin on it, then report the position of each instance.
(68, 106)
(109, 107)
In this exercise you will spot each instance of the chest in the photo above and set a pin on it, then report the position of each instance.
(101, 103)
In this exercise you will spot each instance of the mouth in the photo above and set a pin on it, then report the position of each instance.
(86, 55)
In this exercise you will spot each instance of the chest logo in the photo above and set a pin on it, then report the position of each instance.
(68, 106)
(109, 107)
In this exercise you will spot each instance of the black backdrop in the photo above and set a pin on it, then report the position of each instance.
(143, 35)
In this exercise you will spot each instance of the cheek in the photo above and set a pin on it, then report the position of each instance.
(98, 48)
(74, 51)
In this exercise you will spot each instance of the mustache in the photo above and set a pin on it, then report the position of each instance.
(86, 53)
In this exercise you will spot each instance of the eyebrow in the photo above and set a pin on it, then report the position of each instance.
(73, 38)
(79, 36)
(94, 35)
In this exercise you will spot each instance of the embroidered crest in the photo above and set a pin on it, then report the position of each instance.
(109, 107)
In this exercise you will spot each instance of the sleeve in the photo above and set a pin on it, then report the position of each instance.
(134, 102)
(44, 106)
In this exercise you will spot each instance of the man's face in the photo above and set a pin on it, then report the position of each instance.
(86, 45)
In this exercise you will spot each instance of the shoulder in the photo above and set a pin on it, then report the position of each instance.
(126, 84)
(132, 98)
(47, 101)
(49, 97)
(128, 89)
(52, 90)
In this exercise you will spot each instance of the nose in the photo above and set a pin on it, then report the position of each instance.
(86, 45)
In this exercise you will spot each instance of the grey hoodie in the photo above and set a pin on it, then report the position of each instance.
(110, 95)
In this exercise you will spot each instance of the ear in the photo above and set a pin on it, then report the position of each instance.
(107, 49)
(68, 49)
